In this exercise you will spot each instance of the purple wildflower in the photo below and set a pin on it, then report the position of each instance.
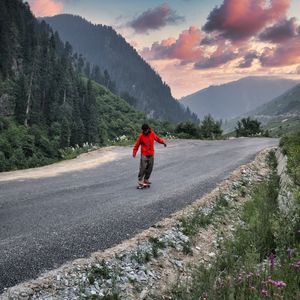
(264, 292)
(296, 264)
(272, 261)
(277, 283)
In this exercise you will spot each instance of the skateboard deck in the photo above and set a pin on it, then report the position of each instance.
(144, 186)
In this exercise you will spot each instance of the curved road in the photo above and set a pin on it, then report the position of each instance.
(46, 221)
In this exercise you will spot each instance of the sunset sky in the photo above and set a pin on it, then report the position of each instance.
(196, 43)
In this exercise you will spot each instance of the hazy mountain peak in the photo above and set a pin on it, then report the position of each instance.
(238, 97)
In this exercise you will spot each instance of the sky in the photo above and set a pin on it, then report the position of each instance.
(193, 44)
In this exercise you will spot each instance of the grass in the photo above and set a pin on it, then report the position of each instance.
(193, 222)
(99, 271)
(291, 147)
(279, 127)
(263, 259)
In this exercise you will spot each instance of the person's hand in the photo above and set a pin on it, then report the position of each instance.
(165, 144)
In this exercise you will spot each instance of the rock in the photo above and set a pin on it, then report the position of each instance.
(20, 293)
(143, 294)
(178, 263)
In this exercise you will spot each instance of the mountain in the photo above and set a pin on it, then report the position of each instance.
(278, 115)
(47, 104)
(133, 77)
(288, 104)
(235, 98)
(282, 114)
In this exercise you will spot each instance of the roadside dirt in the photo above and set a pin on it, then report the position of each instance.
(82, 162)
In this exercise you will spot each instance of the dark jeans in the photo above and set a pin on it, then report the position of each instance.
(146, 166)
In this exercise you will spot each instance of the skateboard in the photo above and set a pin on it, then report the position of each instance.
(143, 186)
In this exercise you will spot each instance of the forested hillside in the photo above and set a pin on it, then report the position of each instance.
(134, 79)
(46, 101)
(287, 104)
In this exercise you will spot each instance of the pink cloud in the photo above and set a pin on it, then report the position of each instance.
(285, 54)
(186, 47)
(241, 19)
(42, 8)
(134, 43)
(280, 32)
(155, 18)
(220, 57)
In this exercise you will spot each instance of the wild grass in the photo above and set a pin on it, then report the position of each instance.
(261, 262)
(198, 219)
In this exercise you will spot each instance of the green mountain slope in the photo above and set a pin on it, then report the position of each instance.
(279, 115)
(285, 105)
(46, 104)
(102, 46)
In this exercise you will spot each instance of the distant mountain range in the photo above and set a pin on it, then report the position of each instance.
(288, 104)
(278, 112)
(133, 77)
(236, 98)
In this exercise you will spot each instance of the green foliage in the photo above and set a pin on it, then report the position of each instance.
(291, 147)
(248, 127)
(21, 147)
(99, 270)
(191, 224)
(263, 259)
(208, 129)
(188, 130)
(283, 125)
(108, 296)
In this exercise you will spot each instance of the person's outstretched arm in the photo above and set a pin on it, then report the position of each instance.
(160, 140)
(136, 146)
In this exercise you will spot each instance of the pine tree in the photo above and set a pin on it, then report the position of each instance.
(65, 134)
(20, 99)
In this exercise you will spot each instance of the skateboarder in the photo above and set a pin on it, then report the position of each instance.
(146, 140)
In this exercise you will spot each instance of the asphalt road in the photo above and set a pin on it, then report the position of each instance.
(47, 221)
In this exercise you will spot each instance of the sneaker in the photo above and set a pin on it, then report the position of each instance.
(147, 181)
(141, 183)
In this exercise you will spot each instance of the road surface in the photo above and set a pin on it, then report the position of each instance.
(66, 211)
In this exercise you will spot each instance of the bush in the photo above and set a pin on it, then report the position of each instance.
(248, 127)
(291, 147)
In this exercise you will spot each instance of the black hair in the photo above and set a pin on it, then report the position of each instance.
(145, 127)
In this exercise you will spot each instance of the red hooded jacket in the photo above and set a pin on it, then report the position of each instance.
(147, 143)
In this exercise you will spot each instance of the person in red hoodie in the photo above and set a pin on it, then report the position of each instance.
(146, 140)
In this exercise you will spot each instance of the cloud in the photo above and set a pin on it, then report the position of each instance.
(238, 20)
(248, 60)
(186, 47)
(46, 7)
(280, 32)
(155, 18)
(134, 43)
(220, 57)
(285, 54)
